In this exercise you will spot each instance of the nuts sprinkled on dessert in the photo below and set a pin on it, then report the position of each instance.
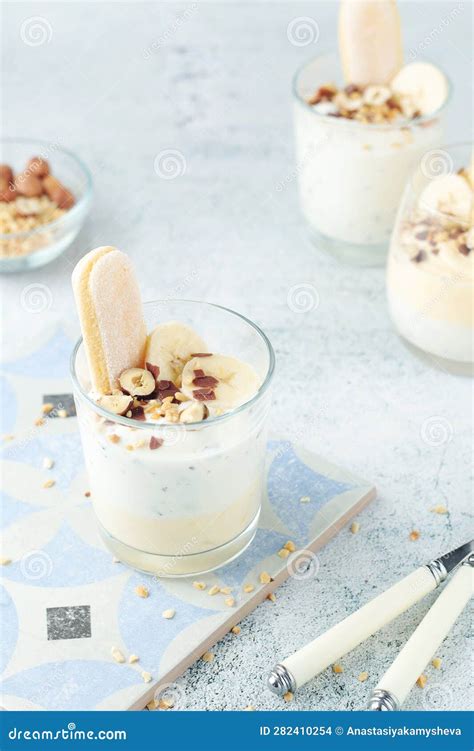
(370, 104)
(119, 403)
(114, 438)
(142, 591)
(137, 382)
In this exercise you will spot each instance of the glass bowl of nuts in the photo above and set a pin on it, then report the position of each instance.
(45, 195)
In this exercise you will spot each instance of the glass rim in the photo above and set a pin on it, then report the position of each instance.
(140, 424)
(416, 193)
(355, 124)
(79, 205)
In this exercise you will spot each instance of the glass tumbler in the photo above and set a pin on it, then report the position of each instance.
(351, 175)
(192, 504)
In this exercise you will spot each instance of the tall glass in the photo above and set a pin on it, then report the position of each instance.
(351, 174)
(189, 501)
(430, 273)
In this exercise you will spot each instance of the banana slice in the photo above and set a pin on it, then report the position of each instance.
(449, 194)
(169, 347)
(424, 84)
(370, 41)
(224, 381)
(110, 311)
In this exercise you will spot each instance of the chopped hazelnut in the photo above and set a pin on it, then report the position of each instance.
(142, 591)
(337, 668)
(208, 657)
(265, 578)
(421, 681)
(169, 614)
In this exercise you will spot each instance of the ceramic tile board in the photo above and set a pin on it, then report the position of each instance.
(64, 602)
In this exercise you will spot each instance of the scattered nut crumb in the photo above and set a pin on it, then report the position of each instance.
(169, 614)
(199, 585)
(87, 494)
(272, 597)
(248, 588)
(421, 681)
(290, 546)
(208, 657)
(236, 629)
(225, 590)
(283, 553)
(265, 578)
(414, 535)
(47, 408)
(249, 708)
(337, 668)
(133, 658)
(363, 676)
(439, 509)
(39, 422)
(49, 483)
(355, 526)
(129, 447)
(146, 676)
(142, 591)
(48, 463)
(288, 696)
(114, 438)
(152, 705)
(436, 662)
(165, 704)
(214, 590)
(8, 437)
(62, 413)
(230, 602)
(117, 654)
(5, 561)
(305, 499)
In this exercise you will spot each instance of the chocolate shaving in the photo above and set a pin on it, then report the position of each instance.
(198, 373)
(204, 395)
(201, 354)
(138, 413)
(162, 385)
(463, 249)
(170, 390)
(154, 370)
(420, 256)
(155, 443)
(205, 381)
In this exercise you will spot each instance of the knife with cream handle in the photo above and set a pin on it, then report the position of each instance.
(313, 658)
(392, 690)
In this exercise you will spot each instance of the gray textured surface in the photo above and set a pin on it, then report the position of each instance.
(229, 231)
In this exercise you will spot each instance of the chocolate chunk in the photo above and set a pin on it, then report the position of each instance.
(154, 370)
(204, 395)
(163, 385)
(464, 249)
(155, 443)
(420, 256)
(201, 354)
(170, 390)
(205, 381)
(138, 413)
(198, 373)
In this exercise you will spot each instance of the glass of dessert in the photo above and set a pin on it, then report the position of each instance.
(45, 195)
(173, 422)
(430, 273)
(362, 122)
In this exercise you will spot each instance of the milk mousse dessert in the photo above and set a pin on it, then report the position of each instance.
(430, 276)
(361, 130)
(174, 432)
